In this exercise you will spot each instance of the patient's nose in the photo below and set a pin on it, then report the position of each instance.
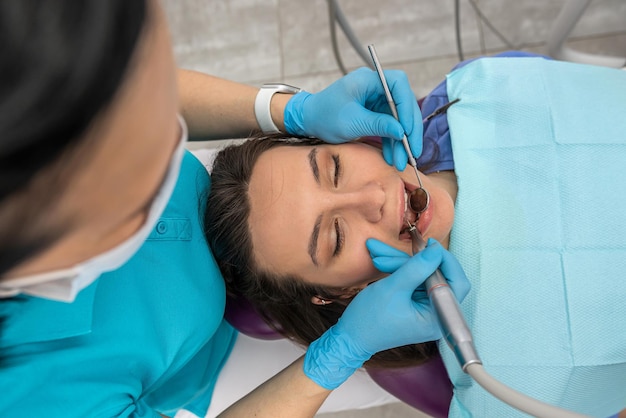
(367, 200)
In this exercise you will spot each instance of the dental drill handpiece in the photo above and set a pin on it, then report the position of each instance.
(451, 321)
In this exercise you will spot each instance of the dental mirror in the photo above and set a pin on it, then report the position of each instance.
(419, 200)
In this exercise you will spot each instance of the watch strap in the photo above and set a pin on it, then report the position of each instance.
(262, 105)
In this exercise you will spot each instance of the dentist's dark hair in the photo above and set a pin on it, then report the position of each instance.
(283, 301)
(62, 63)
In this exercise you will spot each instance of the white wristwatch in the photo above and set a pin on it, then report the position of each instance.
(262, 105)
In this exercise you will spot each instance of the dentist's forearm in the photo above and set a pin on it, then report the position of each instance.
(216, 108)
(289, 394)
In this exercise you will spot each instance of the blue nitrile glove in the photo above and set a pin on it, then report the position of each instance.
(384, 315)
(355, 106)
(389, 259)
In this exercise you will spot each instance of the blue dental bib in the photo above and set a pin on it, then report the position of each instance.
(539, 149)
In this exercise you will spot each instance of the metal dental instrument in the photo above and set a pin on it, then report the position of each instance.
(440, 110)
(419, 198)
(455, 330)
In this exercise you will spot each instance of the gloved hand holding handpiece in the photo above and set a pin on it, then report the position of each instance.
(389, 313)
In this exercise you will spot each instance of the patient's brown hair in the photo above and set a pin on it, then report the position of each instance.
(285, 301)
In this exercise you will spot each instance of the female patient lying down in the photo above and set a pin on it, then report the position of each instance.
(288, 221)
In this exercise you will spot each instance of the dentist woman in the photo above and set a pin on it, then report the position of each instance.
(112, 304)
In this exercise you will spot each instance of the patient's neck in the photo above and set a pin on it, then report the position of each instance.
(447, 181)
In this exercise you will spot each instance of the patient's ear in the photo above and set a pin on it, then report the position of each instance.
(318, 300)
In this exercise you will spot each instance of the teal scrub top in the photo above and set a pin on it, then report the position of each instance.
(145, 339)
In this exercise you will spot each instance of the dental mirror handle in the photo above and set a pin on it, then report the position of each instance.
(392, 104)
(455, 331)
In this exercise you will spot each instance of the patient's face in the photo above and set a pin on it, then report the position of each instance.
(313, 208)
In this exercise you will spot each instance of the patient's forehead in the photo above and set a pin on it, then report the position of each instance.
(269, 180)
(278, 217)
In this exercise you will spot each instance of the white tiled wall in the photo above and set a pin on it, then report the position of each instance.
(255, 41)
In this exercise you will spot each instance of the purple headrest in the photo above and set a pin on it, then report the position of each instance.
(241, 314)
(425, 387)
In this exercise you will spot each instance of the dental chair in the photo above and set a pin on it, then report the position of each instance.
(425, 387)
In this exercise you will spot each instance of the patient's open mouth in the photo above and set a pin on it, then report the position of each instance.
(422, 221)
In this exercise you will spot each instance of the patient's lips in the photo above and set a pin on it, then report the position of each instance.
(425, 218)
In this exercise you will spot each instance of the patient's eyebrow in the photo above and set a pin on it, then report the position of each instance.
(313, 241)
(316, 228)
(313, 164)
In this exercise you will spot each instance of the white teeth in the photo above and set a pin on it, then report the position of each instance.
(406, 201)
